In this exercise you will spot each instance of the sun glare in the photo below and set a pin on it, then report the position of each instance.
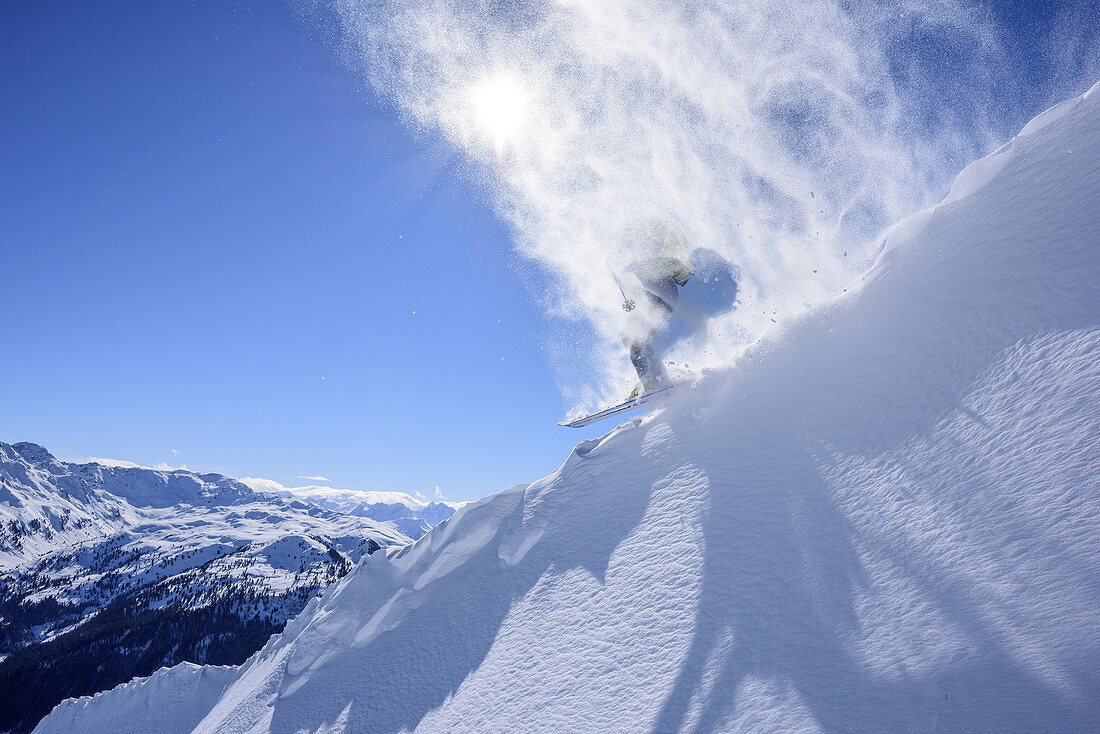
(499, 107)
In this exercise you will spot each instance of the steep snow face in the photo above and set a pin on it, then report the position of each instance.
(194, 688)
(884, 519)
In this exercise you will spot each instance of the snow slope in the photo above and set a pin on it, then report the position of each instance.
(181, 687)
(886, 518)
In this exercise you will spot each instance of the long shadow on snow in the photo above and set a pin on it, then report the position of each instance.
(403, 674)
(780, 571)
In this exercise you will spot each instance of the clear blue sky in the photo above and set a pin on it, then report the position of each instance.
(215, 241)
(218, 249)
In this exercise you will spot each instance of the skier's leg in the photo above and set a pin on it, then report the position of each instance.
(647, 364)
(661, 297)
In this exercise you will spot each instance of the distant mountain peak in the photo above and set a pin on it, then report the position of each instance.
(31, 453)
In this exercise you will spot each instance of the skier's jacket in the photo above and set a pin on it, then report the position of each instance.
(660, 248)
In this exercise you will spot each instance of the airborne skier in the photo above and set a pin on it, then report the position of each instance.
(656, 263)
(652, 265)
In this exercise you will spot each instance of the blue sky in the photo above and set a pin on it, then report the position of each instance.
(215, 241)
(220, 250)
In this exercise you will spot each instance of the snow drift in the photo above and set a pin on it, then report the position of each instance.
(885, 518)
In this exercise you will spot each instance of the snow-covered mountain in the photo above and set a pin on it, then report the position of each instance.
(410, 515)
(110, 572)
(885, 518)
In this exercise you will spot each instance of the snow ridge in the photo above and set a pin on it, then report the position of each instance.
(885, 518)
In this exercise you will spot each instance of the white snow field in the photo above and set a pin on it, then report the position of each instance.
(885, 519)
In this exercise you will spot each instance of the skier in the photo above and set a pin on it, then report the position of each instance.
(659, 261)
(652, 265)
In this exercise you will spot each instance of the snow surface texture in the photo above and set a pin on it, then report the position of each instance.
(885, 519)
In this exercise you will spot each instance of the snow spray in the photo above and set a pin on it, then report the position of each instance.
(785, 135)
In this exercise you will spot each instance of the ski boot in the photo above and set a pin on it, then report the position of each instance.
(646, 387)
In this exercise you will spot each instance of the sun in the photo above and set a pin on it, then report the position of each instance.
(499, 104)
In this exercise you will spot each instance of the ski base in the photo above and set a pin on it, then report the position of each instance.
(623, 407)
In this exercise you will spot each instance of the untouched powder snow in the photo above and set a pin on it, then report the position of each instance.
(885, 519)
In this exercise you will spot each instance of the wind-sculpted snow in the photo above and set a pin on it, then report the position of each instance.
(885, 518)
(191, 690)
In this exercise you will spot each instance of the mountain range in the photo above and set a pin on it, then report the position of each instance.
(111, 572)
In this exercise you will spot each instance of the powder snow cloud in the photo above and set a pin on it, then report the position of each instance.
(785, 135)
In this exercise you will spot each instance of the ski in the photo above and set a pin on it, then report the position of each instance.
(623, 407)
